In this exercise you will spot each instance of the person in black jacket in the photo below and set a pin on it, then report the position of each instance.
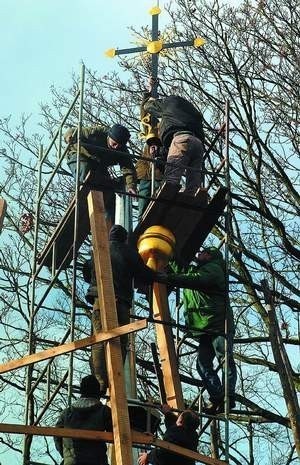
(181, 133)
(94, 160)
(86, 413)
(181, 431)
(127, 265)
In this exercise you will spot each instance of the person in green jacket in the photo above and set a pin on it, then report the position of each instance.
(205, 314)
(94, 139)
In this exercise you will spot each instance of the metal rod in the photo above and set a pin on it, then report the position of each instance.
(227, 301)
(26, 442)
(60, 126)
(76, 221)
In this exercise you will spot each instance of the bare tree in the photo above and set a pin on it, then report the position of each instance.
(251, 57)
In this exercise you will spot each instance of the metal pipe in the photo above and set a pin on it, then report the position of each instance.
(60, 126)
(54, 171)
(50, 399)
(76, 222)
(26, 442)
(226, 243)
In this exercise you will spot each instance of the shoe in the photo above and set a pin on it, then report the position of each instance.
(218, 406)
(214, 407)
(221, 408)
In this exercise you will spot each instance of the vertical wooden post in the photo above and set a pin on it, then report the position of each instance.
(166, 348)
(121, 426)
(156, 246)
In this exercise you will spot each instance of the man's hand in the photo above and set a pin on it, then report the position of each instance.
(143, 459)
(70, 136)
(165, 408)
(131, 190)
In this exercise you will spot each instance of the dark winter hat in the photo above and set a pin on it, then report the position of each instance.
(118, 233)
(119, 133)
(89, 387)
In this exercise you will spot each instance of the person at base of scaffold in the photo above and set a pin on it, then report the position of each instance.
(85, 413)
(180, 430)
(181, 133)
(127, 265)
(92, 159)
(205, 313)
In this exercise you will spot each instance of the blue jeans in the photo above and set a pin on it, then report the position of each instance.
(211, 346)
(87, 165)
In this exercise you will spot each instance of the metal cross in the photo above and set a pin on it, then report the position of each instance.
(155, 46)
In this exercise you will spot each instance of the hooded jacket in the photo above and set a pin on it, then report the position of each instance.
(204, 295)
(175, 114)
(96, 136)
(85, 413)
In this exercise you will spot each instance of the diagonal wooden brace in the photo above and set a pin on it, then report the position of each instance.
(71, 346)
(137, 438)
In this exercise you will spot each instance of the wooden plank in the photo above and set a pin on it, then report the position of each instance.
(156, 210)
(166, 348)
(187, 453)
(3, 206)
(137, 438)
(62, 236)
(188, 246)
(71, 346)
(109, 320)
(184, 214)
(186, 217)
(175, 210)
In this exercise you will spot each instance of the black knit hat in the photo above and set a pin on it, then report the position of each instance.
(89, 387)
(119, 134)
(118, 233)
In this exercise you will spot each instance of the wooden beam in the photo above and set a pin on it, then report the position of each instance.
(189, 244)
(62, 236)
(3, 206)
(166, 348)
(187, 452)
(109, 319)
(71, 346)
(137, 438)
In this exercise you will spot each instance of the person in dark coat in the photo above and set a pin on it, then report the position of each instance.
(85, 413)
(205, 312)
(181, 133)
(92, 159)
(127, 265)
(180, 430)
